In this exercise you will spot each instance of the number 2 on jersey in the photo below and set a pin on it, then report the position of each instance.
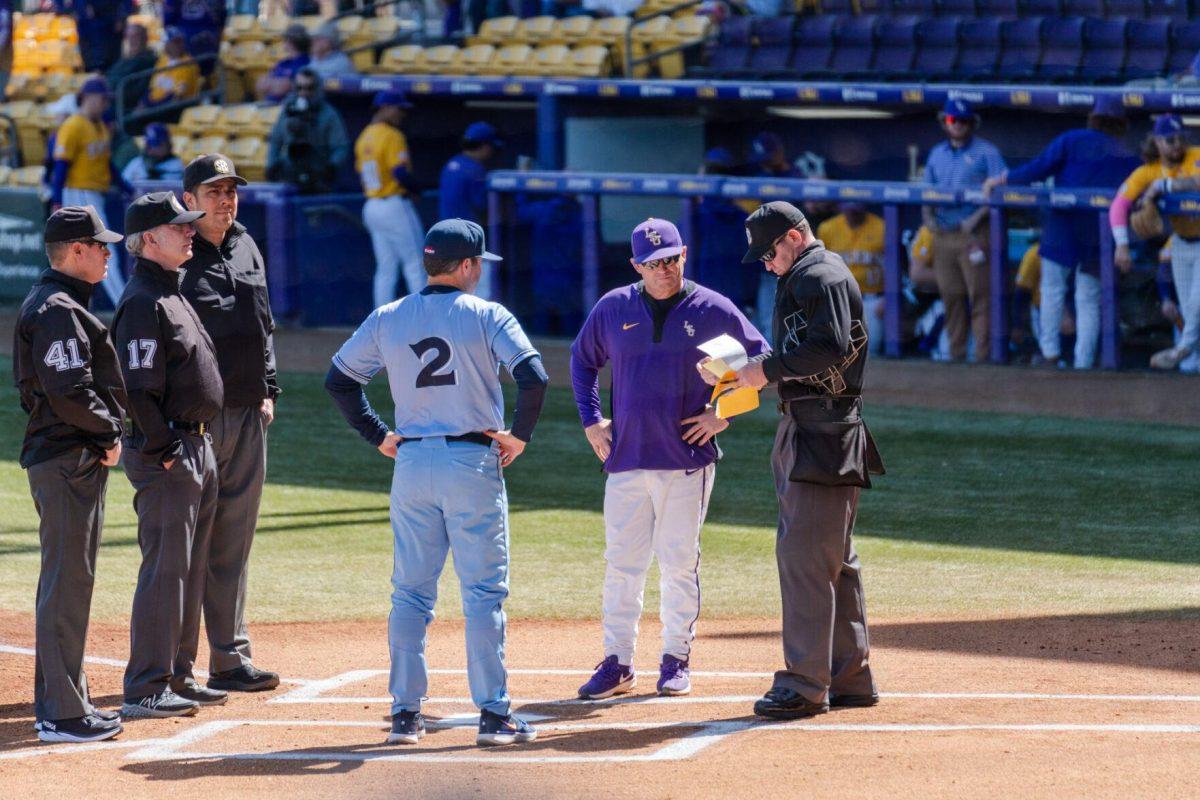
(429, 376)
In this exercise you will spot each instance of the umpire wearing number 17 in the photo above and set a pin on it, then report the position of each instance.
(226, 282)
(821, 460)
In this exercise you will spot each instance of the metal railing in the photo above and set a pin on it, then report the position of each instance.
(10, 153)
(154, 112)
(631, 62)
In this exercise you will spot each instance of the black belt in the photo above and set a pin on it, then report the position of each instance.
(826, 403)
(1189, 239)
(200, 428)
(473, 438)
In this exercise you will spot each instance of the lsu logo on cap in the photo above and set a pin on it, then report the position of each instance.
(654, 236)
(221, 166)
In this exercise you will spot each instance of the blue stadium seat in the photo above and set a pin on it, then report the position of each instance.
(1147, 46)
(732, 50)
(979, 40)
(814, 45)
(997, 9)
(1103, 50)
(1185, 44)
(854, 47)
(774, 49)
(1022, 48)
(1131, 9)
(1062, 49)
(895, 48)
(921, 8)
(1167, 9)
(1040, 8)
(937, 48)
(844, 7)
(1084, 8)
(874, 6)
(956, 8)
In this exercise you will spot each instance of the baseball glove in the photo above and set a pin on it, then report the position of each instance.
(1145, 221)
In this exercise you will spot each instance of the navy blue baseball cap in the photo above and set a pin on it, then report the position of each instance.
(157, 135)
(1109, 105)
(1168, 125)
(454, 239)
(654, 239)
(958, 108)
(95, 86)
(390, 97)
(482, 133)
(719, 156)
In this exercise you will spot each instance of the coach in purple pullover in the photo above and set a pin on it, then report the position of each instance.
(658, 448)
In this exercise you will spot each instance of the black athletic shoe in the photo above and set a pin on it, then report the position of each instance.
(190, 690)
(108, 716)
(407, 728)
(164, 704)
(243, 679)
(853, 700)
(495, 729)
(89, 728)
(782, 703)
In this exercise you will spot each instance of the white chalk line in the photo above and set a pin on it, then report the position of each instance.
(116, 662)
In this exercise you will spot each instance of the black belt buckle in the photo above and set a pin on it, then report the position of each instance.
(198, 428)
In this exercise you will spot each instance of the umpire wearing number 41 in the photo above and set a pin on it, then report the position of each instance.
(175, 390)
(822, 458)
(66, 371)
(226, 282)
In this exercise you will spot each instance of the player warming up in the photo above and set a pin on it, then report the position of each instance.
(442, 348)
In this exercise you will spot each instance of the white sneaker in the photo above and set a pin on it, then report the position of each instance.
(1169, 358)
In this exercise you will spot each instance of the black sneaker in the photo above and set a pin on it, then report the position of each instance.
(247, 678)
(190, 690)
(89, 728)
(407, 728)
(495, 729)
(853, 700)
(164, 704)
(107, 716)
(782, 703)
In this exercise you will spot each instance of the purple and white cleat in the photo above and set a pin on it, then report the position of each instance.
(674, 677)
(611, 678)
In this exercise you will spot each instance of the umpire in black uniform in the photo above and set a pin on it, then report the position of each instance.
(226, 282)
(822, 458)
(174, 390)
(70, 385)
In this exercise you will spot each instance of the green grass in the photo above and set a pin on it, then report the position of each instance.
(979, 514)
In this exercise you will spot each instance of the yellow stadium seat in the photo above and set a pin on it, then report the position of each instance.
(240, 27)
(535, 30)
(271, 28)
(610, 31)
(200, 120)
(511, 60)
(551, 60)
(5, 171)
(383, 29)
(18, 85)
(181, 144)
(63, 29)
(475, 59)
(591, 61)
(691, 29)
(351, 27)
(440, 59)
(265, 118)
(310, 21)
(205, 145)
(497, 31)
(28, 177)
(571, 30)
(237, 120)
(249, 154)
(405, 59)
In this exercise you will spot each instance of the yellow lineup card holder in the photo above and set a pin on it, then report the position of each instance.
(728, 356)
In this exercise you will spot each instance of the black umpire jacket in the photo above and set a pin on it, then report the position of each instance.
(227, 286)
(66, 371)
(168, 361)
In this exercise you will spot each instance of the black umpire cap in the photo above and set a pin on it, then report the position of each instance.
(210, 168)
(157, 208)
(771, 221)
(78, 222)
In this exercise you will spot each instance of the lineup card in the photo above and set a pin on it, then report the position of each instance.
(728, 356)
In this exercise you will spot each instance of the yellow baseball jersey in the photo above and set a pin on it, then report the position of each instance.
(1140, 179)
(380, 148)
(87, 146)
(1029, 274)
(179, 82)
(921, 247)
(861, 248)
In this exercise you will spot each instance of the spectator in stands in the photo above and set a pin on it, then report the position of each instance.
(157, 162)
(308, 145)
(1095, 156)
(6, 44)
(136, 57)
(960, 236)
(770, 161)
(462, 188)
(717, 239)
(276, 84)
(179, 78)
(857, 236)
(101, 28)
(592, 8)
(328, 60)
(1177, 170)
(202, 23)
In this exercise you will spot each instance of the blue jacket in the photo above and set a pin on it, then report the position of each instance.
(462, 190)
(1081, 158)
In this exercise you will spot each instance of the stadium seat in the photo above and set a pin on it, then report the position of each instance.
(553, 60)
(265, 118)
(5, 170)
(249, 154)
(246, 54)
(979, 49)
(511, 60)
(814, 46)
(237, 120)
(474, 59)
(1040, 8)
(1084, 8)
(920, 8)
(310, 22)
(842, 7)
(854, 47)
(180, 143)
(895, 48)
(956, 8)
(27, 177)
(1022, 48)
(1185, 46)
(689, 30)
(610, 32)
(534, 30)
(382, 30)
(774, 49)
(199, 120)
(1103, 50)
(572, 30)
(1062, 49)
(240, 26)
(1148, 44)
(203, 145)
(440, 59)
(874, 7)
(1167, 9)
(997, 9)
(649, 37)
(271, 28)
(937, 48)
(591, 61)
(730, 54)
(403, 59)
(1131, 9)
(496, 31)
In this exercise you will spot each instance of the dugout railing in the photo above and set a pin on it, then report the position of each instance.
(891, 197)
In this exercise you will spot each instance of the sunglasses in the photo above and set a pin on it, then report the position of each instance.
(769, 256)
(661, 262)
(1175, 139)
(305, 87)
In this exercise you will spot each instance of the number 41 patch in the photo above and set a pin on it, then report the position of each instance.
(63, 355)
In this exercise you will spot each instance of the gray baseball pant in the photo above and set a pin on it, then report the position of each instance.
(175, 511)
(68, 493)
(825, 642)
(239, 440)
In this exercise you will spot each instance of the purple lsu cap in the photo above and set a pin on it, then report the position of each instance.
(654, 239)
(1168, 125)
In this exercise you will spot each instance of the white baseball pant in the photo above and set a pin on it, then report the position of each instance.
(114, 282)
(398, 240)
(1185, 268)
(653, 512)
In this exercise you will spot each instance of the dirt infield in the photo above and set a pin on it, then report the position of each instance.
(1062, 707)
